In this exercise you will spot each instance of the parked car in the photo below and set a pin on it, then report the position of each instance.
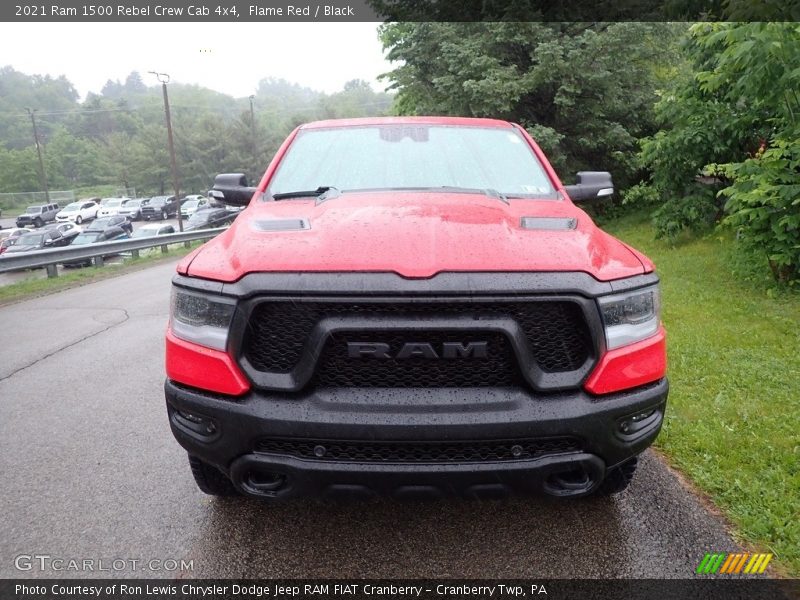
(14, 232)
(132, 208)
(192, 204)
(153, 230)
(115, 221)
(160, 207)
(110, 206)
(210, 218)
(94, 237)
(78, 212)
(38, 240)
(7, 243)
(69, 230)
(38, 215)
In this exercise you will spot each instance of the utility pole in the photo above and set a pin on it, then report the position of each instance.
(42, 172)
(164, 79)
(253, 134)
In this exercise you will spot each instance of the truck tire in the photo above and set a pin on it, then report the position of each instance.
(210, 480)
(164, 215)
(618, 478)
(38, 223)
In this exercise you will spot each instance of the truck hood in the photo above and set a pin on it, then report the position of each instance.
(413, 234)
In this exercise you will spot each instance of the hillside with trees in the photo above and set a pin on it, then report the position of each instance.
(118, 137)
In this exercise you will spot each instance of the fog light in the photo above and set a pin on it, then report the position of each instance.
(633, 423)
(642, 416)
(196, 423)
(190, 417)
(319, 451)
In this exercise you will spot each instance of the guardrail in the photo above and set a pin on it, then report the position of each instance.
(95, 252)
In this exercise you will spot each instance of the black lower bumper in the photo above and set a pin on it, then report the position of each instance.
(454, 441)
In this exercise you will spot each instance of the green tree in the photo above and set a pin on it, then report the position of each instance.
(584, 91)
(730, 147)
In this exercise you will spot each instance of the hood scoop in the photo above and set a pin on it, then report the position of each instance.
(281, 224)
(548, 223)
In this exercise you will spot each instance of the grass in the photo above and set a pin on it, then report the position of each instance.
(733, 421)
(34, 286)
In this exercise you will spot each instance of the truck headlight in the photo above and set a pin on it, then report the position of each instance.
(630, 317)
(200, 318)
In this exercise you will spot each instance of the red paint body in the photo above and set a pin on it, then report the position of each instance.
(416, 235)
(630, 366)
(204, 368)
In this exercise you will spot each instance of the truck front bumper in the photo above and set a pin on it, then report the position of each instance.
(470, 442)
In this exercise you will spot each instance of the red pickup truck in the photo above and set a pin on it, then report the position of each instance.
(414, 307)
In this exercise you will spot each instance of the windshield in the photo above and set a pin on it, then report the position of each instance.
(412, 156)
(131, 203)
(157, 201)
(30, 240)
(72, 207)
(144, 232)
(102, 223)
(190, 204)
(33, 210)
(200, 217)
(86, 238)
(113, 203)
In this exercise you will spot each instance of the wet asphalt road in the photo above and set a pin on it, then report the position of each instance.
(90, 470)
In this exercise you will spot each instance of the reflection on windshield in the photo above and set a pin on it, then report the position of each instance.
(199, 217)
(421, 157)
(86, 238)
(30, 240)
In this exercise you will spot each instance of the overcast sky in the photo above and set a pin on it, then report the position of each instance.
(227, 57)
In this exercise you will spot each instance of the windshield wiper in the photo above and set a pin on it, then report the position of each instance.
(491, 192)
(322, 193)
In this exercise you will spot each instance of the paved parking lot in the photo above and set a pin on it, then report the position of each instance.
(7, 278)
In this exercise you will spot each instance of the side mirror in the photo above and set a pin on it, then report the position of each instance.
(592, 185)
(231, 188)
(48, 242)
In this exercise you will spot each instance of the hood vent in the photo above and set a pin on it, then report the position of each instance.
(548, 223)
(281, 224)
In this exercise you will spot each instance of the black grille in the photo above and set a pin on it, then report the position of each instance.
(499, 369)
(557, 334)
(416, 452)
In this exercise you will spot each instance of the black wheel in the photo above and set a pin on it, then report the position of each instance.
(38, 222)
(164, 215)
(78, 220)
(210, 480)
(618, 478)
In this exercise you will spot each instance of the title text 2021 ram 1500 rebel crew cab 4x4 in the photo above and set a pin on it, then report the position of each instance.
(414, 307)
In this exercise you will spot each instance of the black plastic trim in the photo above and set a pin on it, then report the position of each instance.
(416, 415)
(548, 223)
(267, 225)
(300, 376)
(442, 284)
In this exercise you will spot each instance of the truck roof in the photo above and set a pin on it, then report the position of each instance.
(367, 121)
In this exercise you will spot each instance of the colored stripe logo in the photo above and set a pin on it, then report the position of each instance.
(742, 563)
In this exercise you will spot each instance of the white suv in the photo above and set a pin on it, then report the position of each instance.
(78, 212)
(191, 204)
(109, 207)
